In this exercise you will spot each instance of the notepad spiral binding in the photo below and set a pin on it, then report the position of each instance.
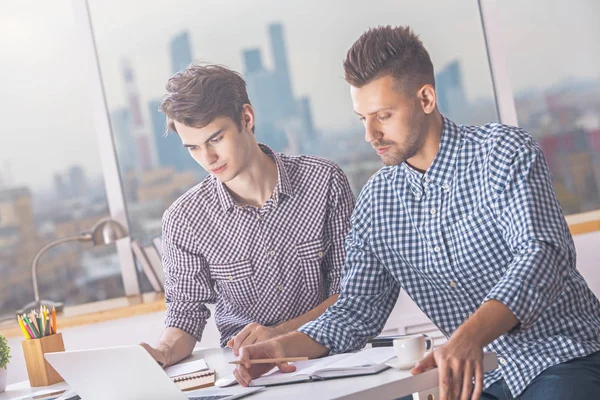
(189, 378)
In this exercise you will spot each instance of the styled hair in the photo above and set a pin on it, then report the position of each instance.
(387, 50)
(201, 93)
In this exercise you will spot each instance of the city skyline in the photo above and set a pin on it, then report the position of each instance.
(54, 185)
(50, 35)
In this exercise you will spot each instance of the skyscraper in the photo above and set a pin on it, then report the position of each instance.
(252, 61)
(181, 53)
(262, 91)
(306, 116)
(452, 100)
(282, 121)
(144, 151)
(77, 181)
(285, 94)
(124, 141)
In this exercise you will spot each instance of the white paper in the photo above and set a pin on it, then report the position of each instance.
(186, 368)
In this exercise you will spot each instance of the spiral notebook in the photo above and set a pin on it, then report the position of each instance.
(195, 380)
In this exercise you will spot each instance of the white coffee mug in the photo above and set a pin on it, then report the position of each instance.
(411, 349)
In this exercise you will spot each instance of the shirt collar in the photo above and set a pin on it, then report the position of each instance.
(441, 171)
(283, 186)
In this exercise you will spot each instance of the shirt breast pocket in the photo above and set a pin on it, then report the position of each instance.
(235, 281)
(310, 255)
(477, 246)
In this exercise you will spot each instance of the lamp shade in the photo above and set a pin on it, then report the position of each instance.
(107, 231)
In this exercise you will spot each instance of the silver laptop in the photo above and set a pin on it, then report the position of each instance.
(127, 372)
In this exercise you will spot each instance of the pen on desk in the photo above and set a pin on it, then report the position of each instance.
(272, 360)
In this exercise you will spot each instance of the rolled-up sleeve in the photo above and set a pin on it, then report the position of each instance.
(188, 286)
(538, 235)
(368, 292)
(341, 204)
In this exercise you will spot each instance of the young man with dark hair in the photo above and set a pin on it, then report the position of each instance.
(262, 236)
(465, 219)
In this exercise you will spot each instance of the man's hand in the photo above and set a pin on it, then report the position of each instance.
(157, 354)
(458, 362)
(245, 372)
(252, 333)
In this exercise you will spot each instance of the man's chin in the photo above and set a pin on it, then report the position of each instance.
(391, 161)
(224, 178)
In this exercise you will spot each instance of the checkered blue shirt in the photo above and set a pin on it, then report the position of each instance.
(265, 265)
(481, 223)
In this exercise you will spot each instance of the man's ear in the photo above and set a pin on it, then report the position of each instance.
(427, 98)
(247, 117)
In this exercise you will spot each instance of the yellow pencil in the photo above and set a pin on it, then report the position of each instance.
(22, 325)
(46, 320)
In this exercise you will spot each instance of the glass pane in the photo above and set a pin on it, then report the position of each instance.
(555, 75)
(50, 177)
(290, 54)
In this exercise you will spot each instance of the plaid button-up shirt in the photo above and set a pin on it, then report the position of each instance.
(265, 265)
(481, 223)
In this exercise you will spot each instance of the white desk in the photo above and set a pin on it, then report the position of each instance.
(389, 384)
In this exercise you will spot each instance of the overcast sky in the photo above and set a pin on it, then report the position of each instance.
(46, 120)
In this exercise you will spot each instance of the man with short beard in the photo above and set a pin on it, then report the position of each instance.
(465, 219)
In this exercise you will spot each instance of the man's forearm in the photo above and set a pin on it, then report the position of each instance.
(311, 315)
(175, 344)
(298, 344)
(490, 321)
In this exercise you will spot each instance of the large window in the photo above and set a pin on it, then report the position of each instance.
(555, 74)
(290, 54)
(51, 182)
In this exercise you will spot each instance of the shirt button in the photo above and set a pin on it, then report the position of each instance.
(281, 288)
(433, 211)
(437, 249)
(452, 284)
(446, 188)
(427, 179)
(272, 253)
(230, 277)
(320, 254)
(502, 361)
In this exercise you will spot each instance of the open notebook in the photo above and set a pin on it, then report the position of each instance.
(366, 362)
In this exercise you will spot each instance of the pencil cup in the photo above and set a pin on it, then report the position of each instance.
(39, 370)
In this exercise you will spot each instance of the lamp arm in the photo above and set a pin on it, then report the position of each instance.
(82, 237)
